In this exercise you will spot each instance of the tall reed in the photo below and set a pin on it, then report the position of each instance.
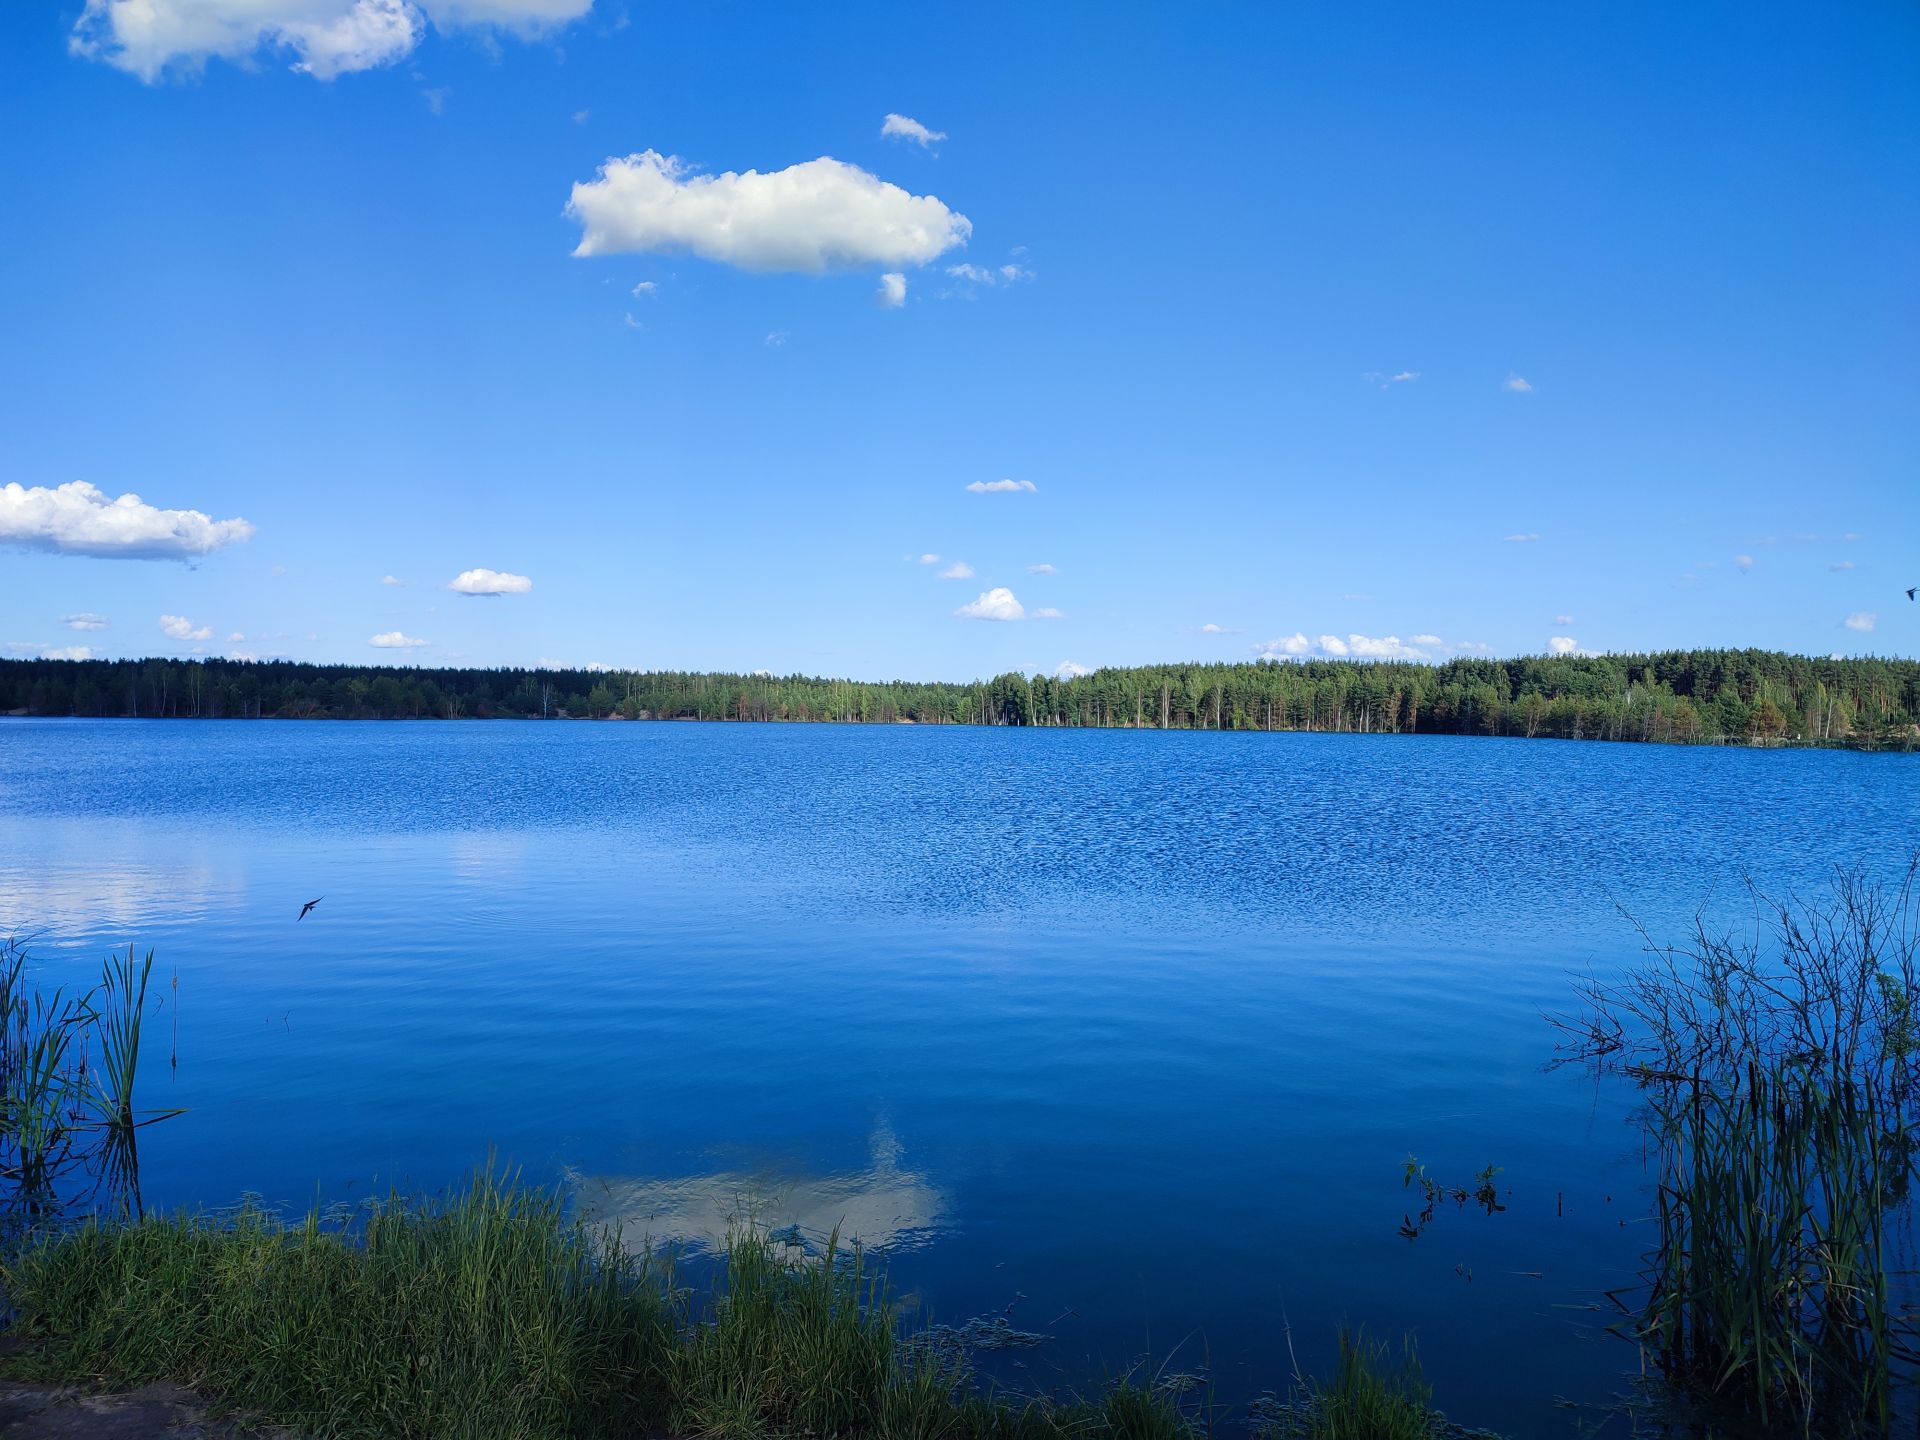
(1781, 1075)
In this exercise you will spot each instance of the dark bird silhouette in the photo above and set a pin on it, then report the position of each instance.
(308, 906)
(1911, 589)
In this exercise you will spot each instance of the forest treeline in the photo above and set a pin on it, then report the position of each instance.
(1683, 696)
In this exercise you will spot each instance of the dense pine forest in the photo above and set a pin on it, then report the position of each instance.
(1689, 697)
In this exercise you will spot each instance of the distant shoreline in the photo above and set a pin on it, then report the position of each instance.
(1745, 697)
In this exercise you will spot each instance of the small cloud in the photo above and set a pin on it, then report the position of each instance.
(1012, 273)
(1404, 376)
(1805, 539)
(236, 638)
(580, 117)
(85, 620)
(394, 640)
(929, 558)
(776, 338)
(1432, 640)
(1852, 536)
(80, 519)
(391, 580)
(67, 652)
(1001, 487)
(1042, 569)
(1861, 620)
(1526, 539)
(1386, 381)
(1356, 597)
(1563, 645)
(1517, 385)
(489, 582)
(1071, 669)
(178, 627)
(437, 99)
(645, 289)
(1289, 647)
(1743, 563)
(892, 293)
(631, 323)
(1049, 613)
(958, 570)
(995, 604)
(1839, 565)
(905, 127)
(1212, 630)
(1333, 645)
(1563, 620)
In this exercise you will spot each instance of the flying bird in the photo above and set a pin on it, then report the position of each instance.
(306, 907)
(1911, 589)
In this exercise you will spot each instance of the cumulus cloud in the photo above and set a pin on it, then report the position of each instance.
(1070, 669)
(987, 276)
(892, 293)
(1428, 640)
(323, 38)
(391, 580)
(929, 558)
(1211, 629)
(995, 604)
(1743, 563)
(644, 289)
(178, 627)
(1288, 647)
(959, 570)
(1041, 569)
(85, 620)
(809, 218)
(1049, 613)
(1359, 647)
(67, 652)
(776, 338)
(489, 582)
(905, 127)
(1862, 620)
(1525, 539)
(1563, 645)
(394, 640)
(80, 519)
(1516, 384)
(1001, 487)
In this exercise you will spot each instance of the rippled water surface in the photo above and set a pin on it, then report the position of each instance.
(1131, 1032)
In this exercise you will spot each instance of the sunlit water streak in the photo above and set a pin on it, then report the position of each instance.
(1138, 1026)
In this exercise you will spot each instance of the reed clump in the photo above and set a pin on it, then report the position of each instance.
(1780, 1071)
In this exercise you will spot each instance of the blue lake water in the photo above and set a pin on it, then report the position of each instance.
(1129, 1032)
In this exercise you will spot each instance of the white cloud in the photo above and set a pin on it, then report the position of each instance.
(1211, 629)
(809, 217)
(178, 627)
(977, 274)
(79, 519)
(1563, 645)
(1428, 640)
(1049, 613)
(905, 127)
(929, 558)
(85, 620)
(1333, 645)
(1071, 669)
(1851, 536)
(1001, 487)
(1041, 569)
(391, 580)
(580, 117)
(1522, 539)
(236, 638)
(959, 570)
(394, 640)
(776, 338)
(1517, 385)
(892, 293)
(489, 582)
(1843, 565)
(324, 38)
(1563, 620)
(644, 289)
(1287, 647)
(67, 652)
(1743, 563)
(1384, 647)
(1862, 620)
(995, 604)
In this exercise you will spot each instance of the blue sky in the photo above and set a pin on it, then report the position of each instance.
(1652, 272)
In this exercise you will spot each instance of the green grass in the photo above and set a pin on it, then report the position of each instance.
(491, 1313)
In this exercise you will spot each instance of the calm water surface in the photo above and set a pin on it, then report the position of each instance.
(1130, 1032)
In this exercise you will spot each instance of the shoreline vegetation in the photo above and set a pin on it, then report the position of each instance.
(1754, 697)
